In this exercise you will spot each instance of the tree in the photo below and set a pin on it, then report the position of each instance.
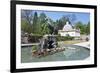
(26, 20)
(88, 28)
(71, 18)
(25, 26)
(43, 24)
(27, 15)
(61, 22)
(84, 28)
(80, 26)
(35, 22)
(42, 18)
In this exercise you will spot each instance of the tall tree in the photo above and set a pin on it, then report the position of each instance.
(71, 18)
(43, 24)
(35, 22)
(88, 28)
(42, 18)
(61, 22)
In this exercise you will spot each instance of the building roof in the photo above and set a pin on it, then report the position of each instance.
(67, 27)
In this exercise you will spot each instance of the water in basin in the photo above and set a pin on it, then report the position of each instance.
(71, 53)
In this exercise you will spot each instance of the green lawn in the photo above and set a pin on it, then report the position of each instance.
(72, 42)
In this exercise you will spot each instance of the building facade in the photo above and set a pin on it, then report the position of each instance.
(68, 30)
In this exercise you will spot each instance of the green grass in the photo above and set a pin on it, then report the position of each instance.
(72, 42)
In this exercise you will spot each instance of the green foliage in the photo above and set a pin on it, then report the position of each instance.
(34, 47)
(61, 22)
(44, 29)
(35, 21)
(43, 24)
(42, 18)
(35, 38)
(27, 15)
(25, 26)
(88, 28)
(64, 38)
(38, 23)
(84, 28)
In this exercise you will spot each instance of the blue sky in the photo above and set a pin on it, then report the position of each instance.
(80, 16)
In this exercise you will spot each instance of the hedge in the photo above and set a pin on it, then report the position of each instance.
(63, 38)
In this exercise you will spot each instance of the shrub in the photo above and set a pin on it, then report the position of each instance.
(34, 38)
(64, 38)
(34, 47)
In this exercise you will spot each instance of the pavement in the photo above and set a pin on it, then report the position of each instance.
(84, 44)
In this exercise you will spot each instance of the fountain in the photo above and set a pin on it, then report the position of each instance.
(48, 45)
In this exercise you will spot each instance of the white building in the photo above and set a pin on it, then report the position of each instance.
(68, 30)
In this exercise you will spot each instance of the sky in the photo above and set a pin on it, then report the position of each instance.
(54, 15)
